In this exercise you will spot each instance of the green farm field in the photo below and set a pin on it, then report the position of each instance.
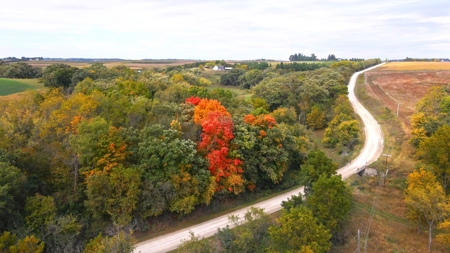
(11, 86)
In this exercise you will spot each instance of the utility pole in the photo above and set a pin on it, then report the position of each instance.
(359, 246)
(398, 106)
(385, 175)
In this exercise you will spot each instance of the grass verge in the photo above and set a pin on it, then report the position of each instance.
(196, 218)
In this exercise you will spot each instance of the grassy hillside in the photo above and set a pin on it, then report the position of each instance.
(11, 86)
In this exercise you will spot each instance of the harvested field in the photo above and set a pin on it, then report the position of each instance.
(416, 66)
(132, 64)
(404, 87)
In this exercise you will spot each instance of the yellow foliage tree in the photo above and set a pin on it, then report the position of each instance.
(316, 118)
(29, 244)
(425, 200)
(177, 78)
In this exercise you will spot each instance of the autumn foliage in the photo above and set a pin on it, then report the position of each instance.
(193, 100)
(217, 133)
(206, 106)
(260, 120)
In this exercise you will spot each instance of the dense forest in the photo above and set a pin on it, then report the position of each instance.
(105, 151)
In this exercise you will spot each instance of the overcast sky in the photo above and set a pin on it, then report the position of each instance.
(227, 29)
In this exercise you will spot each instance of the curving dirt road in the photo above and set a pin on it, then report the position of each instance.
(372, 149)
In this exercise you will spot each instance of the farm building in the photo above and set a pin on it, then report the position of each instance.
(219, 68)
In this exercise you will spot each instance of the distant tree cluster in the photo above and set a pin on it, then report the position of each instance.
(331, 57)
(20, 70)
(301, 57)
(67, 77)
(23, 58)
(302, 66)
(257, 65)
(356, 59)
(421, 59)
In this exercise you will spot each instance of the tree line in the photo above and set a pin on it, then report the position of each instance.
(103, 151)
(301, 57)
(20, 70)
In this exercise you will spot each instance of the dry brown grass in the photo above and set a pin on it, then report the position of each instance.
(389, 231)
(404, 87)
(416, 66)
(11, 97)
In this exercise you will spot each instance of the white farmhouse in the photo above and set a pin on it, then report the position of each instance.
(218, 68)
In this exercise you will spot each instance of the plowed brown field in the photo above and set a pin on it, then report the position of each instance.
(406, 87)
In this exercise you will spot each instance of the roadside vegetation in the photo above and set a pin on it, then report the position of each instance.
(102, 152)
(386, 208)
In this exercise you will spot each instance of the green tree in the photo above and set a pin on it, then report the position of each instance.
(251, 236)
(41, 211)
(298, 230)
(12, 183)
(61, 235)
(196, 244)
(274, 92)
(293, 202)
(430, 114)
(330, 202)
(259, 103)
(20, 70)
(97, 191)
(58, 75)
(260, 144)
(115, 194)
(232, 78)
(172, 165)
(125, 189)
(122, 242)
(435, 151)
(316, 164)
(251, 78)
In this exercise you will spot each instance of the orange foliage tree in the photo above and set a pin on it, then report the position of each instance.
(264, 120)
(206, 106)
(217, 133)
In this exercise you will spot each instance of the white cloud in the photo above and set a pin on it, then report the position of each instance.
(232, 29)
